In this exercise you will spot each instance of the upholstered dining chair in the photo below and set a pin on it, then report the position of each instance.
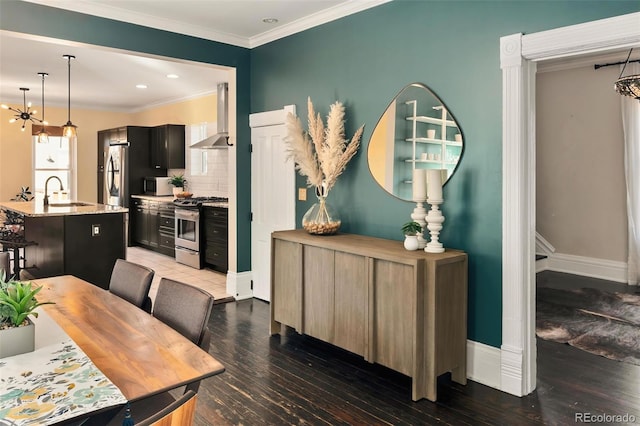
(26, 275)
(179, 413)
(184, 308)
(4, 265)
(132, 282)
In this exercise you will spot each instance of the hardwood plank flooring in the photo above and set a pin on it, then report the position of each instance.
(298, 380)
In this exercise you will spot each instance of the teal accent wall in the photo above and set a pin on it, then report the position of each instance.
(45, 21)
(365, 59)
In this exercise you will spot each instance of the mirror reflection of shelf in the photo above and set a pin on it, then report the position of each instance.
(443, 157)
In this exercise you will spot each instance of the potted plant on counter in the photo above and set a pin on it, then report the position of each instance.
(178, 182)
(17, 303)
(410, 229)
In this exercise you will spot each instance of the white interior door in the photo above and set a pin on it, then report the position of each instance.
(272, 192)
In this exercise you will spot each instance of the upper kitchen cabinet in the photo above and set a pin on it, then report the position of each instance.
(167, 147)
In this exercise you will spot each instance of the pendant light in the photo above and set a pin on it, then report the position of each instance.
(629, 85)
(69, 130)
(25, 114)
(43, 136)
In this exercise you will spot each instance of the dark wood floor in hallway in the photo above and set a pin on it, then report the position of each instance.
(295, 379)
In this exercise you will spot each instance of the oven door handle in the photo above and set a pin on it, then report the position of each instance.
(187, 214)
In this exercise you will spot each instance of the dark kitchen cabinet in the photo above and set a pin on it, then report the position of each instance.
(103, 146)
(86, 246)
(216, 239)
(168, 147)
(137, 139)
(166, 229)
(153, 225)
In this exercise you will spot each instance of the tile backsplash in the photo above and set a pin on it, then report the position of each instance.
(214, 181)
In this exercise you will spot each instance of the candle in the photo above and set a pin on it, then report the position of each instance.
(434, 184)
(419, 185)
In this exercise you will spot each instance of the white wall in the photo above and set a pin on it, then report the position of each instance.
(580, 187)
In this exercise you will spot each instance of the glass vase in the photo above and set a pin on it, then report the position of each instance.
(321, 218)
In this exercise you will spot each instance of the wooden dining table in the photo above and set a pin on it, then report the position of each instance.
(140, 354)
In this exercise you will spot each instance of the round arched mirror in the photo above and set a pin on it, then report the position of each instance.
(416, 131)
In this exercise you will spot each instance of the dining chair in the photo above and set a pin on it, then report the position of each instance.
(152, 411)
(132, 282)
(26, 275)
(4, 265)
(186, 309)
(180, 413)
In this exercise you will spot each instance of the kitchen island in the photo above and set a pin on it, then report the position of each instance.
(71, 238)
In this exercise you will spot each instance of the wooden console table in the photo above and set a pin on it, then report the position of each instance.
(406, 310)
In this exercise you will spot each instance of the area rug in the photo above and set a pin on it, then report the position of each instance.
(605, 324)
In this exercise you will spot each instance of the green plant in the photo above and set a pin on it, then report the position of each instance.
(411, 228)
(17, 302)
(24, 194)
(178, 181)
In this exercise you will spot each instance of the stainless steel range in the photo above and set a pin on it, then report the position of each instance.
(188, 229)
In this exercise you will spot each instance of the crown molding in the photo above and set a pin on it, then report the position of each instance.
(327, 15)
(118, 14)
(110, 12)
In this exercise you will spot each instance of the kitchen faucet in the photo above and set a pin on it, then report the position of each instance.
(46, 183)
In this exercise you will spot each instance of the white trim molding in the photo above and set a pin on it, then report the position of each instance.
(543, 246)
(483, 364)
(239, 284)
(518, 54)
(603, 269)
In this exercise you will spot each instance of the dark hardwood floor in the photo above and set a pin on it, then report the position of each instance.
(294, 379)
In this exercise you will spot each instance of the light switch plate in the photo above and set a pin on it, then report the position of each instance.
(302, 194)
(95, 230)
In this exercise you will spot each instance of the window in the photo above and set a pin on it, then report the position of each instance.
(197, 158)
(56, 158)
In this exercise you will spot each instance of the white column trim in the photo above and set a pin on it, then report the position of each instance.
(517, 55)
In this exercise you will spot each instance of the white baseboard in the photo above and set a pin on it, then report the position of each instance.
(483, 364)
(239, 285)
(542, 265)
(586, 266)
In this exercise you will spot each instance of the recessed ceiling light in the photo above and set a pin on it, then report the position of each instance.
(141, 86)
(173, 76)
(270, 20)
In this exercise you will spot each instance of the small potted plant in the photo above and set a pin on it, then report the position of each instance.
(410, 229)
(17, 303)
(178, 181)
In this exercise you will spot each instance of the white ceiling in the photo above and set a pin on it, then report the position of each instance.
(106, 78)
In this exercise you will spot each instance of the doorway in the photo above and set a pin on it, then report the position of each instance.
(518, 56)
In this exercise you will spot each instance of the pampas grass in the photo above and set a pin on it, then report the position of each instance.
(321, 154)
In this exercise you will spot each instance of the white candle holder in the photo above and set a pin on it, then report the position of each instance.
(434, 220)
(418, 215)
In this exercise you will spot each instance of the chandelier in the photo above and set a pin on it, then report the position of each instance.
(25, 114)
(629, 85)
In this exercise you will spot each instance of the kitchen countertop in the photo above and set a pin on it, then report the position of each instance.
(161, 199)
(33, 209)
(169, 199)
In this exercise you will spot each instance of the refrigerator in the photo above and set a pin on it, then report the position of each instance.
(124, 161)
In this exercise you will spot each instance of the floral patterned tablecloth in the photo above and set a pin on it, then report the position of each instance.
(54, 383)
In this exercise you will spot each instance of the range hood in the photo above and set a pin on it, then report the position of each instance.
(221, 138)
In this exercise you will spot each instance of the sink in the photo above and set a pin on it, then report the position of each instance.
(70, 204)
